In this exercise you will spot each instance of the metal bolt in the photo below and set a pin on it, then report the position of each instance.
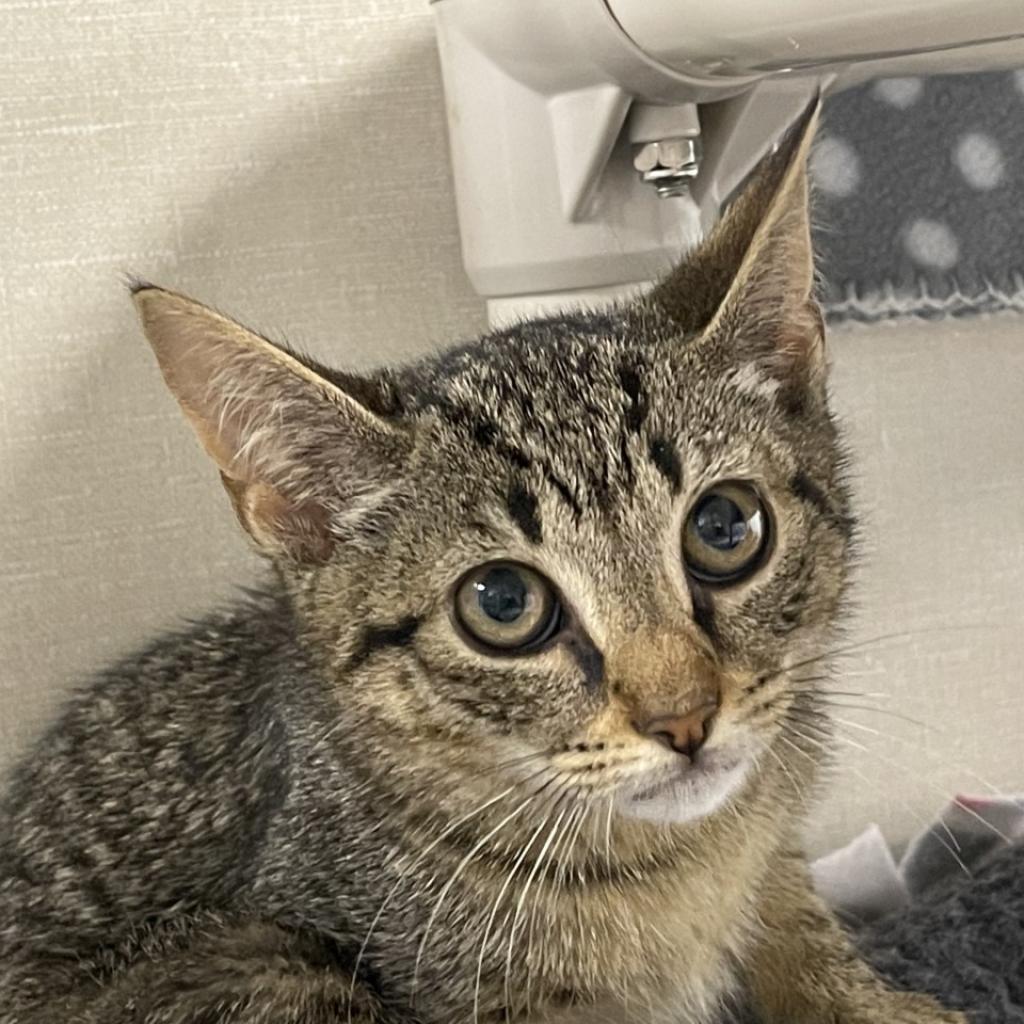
(669, 164)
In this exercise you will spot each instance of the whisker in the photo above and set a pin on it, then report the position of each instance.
(935, 731)
(608, 835)
(881, 638)
(800, 791)
(966, 809)
(525, 891)
(512, 762)
(797, 684)
(462, 865)
(565, 867)
(494, 913)
(952, 848)
(555, 860)
(412, 867)
(826, 733)
(955, 800)
(863, 728)
(883, 711)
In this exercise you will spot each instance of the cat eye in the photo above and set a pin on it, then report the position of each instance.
(726, 534)
(507, 607)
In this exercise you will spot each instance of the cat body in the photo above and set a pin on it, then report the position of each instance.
(231, 736)
(525, 724)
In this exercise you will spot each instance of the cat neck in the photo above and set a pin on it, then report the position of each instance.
(435, 908)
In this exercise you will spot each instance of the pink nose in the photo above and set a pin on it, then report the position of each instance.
(685, 733)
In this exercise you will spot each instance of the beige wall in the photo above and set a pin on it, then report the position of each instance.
(291, 167)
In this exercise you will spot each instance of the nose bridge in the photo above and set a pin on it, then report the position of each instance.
(662, 670)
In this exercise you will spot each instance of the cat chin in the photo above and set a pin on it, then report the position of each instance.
(687, 794)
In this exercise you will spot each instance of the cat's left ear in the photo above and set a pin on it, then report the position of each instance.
(750, 284)
(299, 454)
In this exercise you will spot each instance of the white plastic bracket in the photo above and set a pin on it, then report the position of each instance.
(548, 98)
(584, 127)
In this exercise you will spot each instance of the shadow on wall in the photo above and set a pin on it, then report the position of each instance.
(333, 228)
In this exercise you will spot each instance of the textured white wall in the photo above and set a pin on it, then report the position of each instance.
(291, 167)
(936, 418)
(285, 160)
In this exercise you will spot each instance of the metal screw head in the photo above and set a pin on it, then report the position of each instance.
(669, 164)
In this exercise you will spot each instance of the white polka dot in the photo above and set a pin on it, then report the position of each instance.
(1018, 77)
(980, 160)
(899, 92)
(931, 243)
(835, 167)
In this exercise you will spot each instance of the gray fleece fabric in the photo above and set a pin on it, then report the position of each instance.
(963, 942)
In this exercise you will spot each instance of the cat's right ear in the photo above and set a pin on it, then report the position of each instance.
(295, 451)
(751, 281)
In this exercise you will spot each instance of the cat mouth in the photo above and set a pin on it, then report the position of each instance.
(686, 791)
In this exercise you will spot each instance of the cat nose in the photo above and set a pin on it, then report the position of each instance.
(685, 733)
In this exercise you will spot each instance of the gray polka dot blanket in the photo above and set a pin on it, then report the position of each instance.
(920, 197)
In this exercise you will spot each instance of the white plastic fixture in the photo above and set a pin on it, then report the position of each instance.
(550, 102)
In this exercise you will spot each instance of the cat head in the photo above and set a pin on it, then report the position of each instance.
(590, 552)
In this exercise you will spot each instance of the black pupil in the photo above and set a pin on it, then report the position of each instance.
(502, 595)
(720, 523)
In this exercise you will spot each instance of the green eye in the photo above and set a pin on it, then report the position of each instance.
(726, 534)
(507, 607)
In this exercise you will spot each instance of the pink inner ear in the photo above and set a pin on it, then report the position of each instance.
(264, 416)
(803, 332)
(229, 391)
(221, 445)
(300, 530)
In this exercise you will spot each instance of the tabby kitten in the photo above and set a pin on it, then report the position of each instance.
(523, 728)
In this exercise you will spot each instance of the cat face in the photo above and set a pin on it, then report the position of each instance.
(590, 553)
(587, 543)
